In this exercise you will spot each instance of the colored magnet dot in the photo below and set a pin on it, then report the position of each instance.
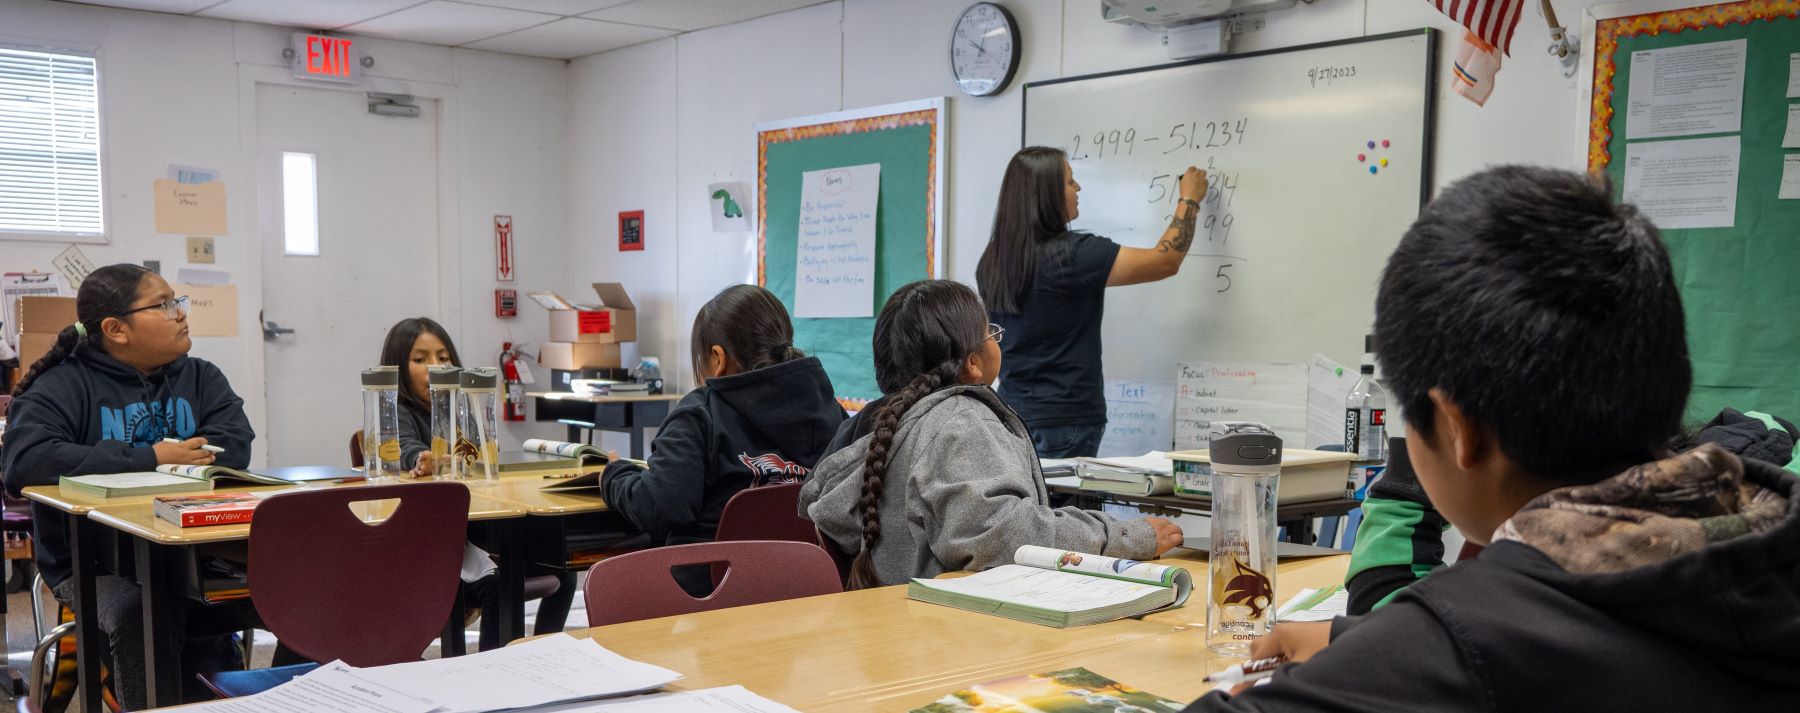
(1372, 170)
(1384, 163)
(1384, 143)
(1360, 158)
(1371, 144)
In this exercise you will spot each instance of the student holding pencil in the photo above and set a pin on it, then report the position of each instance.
(118, 393)
(1046, 286)
(1532, 331)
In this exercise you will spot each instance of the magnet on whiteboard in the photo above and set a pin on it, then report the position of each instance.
(1384, 143)
(1384, 163)
(1361, 158)
(1372, 170)
(1371, 144)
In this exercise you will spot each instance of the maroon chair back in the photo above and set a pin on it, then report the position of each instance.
(770, 512)
(638, 585)
(356, 454)
(332, 586)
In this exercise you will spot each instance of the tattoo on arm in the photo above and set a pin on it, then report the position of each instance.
(1183, 227)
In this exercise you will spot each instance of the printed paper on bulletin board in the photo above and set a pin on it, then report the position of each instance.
(1737, 283)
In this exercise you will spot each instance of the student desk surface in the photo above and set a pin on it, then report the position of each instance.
(528, 491)
(876, 650)
(156, 544)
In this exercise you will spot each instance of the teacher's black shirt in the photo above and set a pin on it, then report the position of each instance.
(1050, 370)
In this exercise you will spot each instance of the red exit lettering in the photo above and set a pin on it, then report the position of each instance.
(329, 56)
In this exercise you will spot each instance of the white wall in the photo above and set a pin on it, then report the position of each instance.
(170, 93)
(694, 99)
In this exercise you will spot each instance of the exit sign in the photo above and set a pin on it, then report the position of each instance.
(322, 57)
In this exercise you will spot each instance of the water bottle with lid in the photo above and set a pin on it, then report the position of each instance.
(1240, 603)
(381, 423)
(446, 385)
(1365, 412)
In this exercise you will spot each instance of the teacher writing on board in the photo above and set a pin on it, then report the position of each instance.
(1045, 287)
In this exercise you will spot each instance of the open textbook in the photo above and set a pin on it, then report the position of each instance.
(165, 479)
(1061, 588)
(566, 456)
(1071, 690)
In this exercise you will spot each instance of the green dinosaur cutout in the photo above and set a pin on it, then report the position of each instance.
(732, 210)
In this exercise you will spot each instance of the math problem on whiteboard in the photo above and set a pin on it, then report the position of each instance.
(1188, 135)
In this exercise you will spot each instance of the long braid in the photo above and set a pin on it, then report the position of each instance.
(67, 342)
(875, 465)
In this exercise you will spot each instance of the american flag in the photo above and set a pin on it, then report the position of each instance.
(1491, 20)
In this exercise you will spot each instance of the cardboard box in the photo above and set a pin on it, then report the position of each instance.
(612, 320)
(571, 355)
(1306, 476)
(40, 319)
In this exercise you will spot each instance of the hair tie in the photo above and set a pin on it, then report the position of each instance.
(81, 329)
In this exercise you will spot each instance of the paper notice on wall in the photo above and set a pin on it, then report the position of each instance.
(1271, 394)
(1690, 89)
(730, 207)
(1790, 139)
(1793, 75)
(74, 265)
(197, 209)
(192, 175)
(14, 285)
(1684, 184)
(1328, 385)
(1140, 417)
(835, 264)
(212, 309)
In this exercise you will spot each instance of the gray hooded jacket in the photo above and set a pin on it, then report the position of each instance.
(963, 492)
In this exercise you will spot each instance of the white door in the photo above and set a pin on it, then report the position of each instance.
(377, 225)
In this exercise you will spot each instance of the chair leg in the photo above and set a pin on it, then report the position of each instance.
(247, 641)
(37, 605)
(40, 656)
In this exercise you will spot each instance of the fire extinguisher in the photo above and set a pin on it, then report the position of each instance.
(517, 375)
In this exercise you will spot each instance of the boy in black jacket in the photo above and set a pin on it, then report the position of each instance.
(112, 388)
(763, 415)
(1533, 335)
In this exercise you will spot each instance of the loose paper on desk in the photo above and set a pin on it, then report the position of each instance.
(1684, 184)
(1140, 417)
(1328, 384)
(834, 262)
(1316, 605)
(332, 687)
(554, 669)
(213, 309)
(193, 209)
(1691, 89)
(1274, 394)
(724, 699)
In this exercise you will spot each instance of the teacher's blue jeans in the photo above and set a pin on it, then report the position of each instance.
(1072, 441)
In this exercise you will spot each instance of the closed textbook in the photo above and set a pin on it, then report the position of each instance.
(1061, 588)
(1149, 474)
(204, 510)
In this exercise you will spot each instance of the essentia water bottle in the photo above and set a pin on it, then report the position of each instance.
(1365, 412)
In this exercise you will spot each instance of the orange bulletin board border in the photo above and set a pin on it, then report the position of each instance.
(1606, 44)
(932, 117)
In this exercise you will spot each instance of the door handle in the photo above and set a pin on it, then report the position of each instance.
(272, 331)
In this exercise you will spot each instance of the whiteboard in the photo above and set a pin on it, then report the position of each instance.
(1295, 229)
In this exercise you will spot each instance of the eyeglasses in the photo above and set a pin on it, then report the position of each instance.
(995, 332)
(174, 308)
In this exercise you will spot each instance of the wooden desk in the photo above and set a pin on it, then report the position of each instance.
(158, 547)
(1296, 517)
(875, 650)
(528, 492)
(630, 415)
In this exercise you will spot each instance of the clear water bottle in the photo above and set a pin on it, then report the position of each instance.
(381, 422)
(478, 428)
(1365, 412)
(446, 385)
(1240, 603)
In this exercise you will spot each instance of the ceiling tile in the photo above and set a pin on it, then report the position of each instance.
(316, 14)
(554, 7)
(688, 15)
(448, 23)
(569, 38)
(180, 7)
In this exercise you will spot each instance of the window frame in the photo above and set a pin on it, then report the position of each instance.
(97, 54)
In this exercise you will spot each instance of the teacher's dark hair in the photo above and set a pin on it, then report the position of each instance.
(925, 332)
(1031, 212)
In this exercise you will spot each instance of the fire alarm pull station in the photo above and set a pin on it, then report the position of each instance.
(506, 302)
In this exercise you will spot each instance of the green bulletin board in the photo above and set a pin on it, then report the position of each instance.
(1740, 285)
(906, 140)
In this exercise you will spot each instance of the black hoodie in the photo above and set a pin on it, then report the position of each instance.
(770, 425)
(92, 414)
(1674, 586)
